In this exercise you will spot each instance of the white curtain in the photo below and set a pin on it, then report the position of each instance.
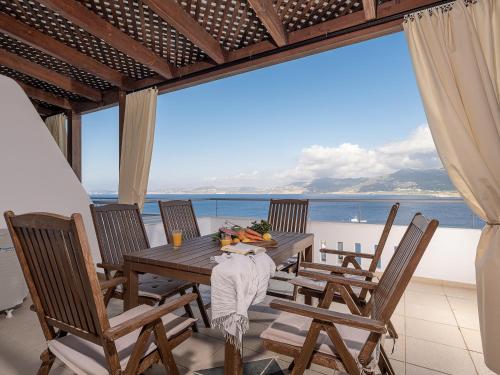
(455, 50)
(137, 146)
(57, 127)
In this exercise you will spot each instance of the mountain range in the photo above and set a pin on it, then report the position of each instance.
(404, 181)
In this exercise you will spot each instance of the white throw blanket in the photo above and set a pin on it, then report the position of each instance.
(237, 282)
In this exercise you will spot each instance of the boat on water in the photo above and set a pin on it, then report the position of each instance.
(355, 219)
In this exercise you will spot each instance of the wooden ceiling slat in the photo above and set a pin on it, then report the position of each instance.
(45, 96)
(94, 24)
(61, 51)
(174, 14)
(27, 67)
(370, 9)
(268, 16)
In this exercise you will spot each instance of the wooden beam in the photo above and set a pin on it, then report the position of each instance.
(171, 12)
(86, 19)
(36, 39)
(122, 100)
(75, 142)
(45, 96)
(268, 16)
(370, 9)
(27, 67)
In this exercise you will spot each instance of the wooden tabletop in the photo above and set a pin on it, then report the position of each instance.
(194, 254)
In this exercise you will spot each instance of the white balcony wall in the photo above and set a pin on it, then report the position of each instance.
(449, 257)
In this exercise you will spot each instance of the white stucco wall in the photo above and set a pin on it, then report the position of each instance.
(34, 175)
(449, 257)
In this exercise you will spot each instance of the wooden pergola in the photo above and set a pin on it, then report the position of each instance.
(77, 56)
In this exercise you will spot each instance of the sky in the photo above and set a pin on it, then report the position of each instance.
(349, 112)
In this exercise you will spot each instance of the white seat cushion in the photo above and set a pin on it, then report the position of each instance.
(86, 358)
(319, 286)
(292, 329)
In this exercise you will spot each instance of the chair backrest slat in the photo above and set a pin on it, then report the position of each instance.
(179, 215)
(288, 215)
(398, 273)
(55, 259)
(383, 237)
(120, 230)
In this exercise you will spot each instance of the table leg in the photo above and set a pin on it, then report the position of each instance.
(131, 288)
(233, 363)
(308, 257)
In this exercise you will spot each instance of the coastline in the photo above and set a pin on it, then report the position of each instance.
(412, 193)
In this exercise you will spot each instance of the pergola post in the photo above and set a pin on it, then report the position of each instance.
(122, 96)
(75, 142)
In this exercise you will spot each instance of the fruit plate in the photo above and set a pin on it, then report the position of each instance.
(270, 243)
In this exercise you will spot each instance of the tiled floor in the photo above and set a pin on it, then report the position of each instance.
(438, 328)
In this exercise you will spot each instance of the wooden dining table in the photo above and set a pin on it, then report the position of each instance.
(191, 262)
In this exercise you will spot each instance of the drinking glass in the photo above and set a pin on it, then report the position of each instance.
(177, 238)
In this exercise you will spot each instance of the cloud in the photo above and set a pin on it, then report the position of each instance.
(350, 160)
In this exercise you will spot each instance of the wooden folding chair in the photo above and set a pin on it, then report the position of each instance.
(316, 289)
(179, 215)
(55, 258)
(120, 230)
(288, 215)
(345, 342)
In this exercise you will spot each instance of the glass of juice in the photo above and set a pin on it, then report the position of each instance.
(177, 238)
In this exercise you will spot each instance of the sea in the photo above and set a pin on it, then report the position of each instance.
(373, 209)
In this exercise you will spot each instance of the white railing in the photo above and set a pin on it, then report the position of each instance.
(449, 257)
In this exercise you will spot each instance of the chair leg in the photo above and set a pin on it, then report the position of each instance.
(201, 306)
(47, 361)
(302, 361)
(166, 355)
(189, 311)
(384, 363)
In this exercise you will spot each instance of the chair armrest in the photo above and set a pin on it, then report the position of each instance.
(337, 269)
(341, 280)
(329, 316)
(110, 267)
(347, 253)
(115, 281)
(147, 317)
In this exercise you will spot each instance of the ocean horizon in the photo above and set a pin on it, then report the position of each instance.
(369, 208)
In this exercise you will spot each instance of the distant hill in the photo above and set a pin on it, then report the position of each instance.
(404, 180)
(328, 184)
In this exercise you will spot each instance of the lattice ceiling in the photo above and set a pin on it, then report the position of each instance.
(50, 23)
(39, 84)
(45, 105)
(297, 14)
(38, 57)
(136, 19)
(232, 22)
